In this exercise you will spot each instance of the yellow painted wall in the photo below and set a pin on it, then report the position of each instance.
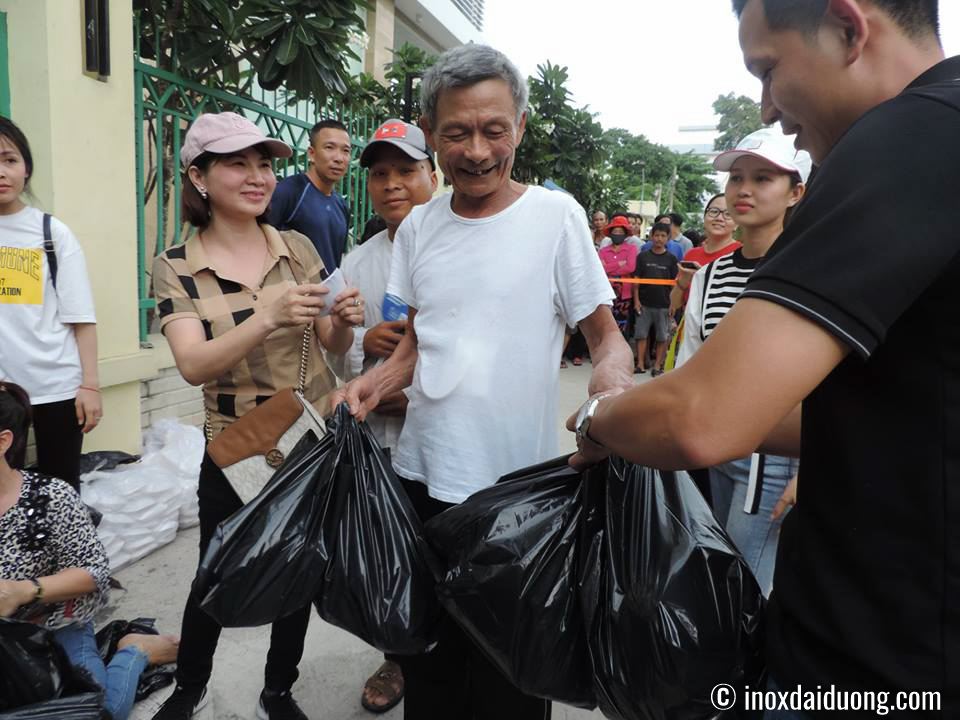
(81, 135)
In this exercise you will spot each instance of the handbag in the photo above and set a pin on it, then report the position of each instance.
(251, 449)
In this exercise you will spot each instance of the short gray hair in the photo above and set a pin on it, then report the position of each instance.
(467, 65)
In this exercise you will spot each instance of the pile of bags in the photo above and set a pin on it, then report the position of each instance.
(620, 576)
(334, 527)
(144, 503)
(37, 679)
(615, 587)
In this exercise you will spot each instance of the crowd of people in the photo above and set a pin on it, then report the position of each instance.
(806, 340)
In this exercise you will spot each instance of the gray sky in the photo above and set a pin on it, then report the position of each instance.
(649, 66)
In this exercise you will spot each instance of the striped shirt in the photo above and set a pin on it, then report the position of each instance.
(186, 285)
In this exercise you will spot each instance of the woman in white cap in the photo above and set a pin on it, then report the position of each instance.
(233, 302)
(767, 178)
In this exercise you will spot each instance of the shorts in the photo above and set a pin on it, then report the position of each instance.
(658, 318)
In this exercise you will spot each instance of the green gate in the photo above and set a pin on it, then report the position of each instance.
(165, 105)
(4, 69)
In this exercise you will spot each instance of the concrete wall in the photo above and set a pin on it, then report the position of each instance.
(81, 133)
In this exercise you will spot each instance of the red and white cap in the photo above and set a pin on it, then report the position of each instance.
(226, 132)
(772, 145)
(406, 136)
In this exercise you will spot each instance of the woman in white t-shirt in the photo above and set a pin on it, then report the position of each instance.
(48, 337)
(767, 177)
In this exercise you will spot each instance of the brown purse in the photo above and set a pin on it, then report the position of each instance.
(251, 449)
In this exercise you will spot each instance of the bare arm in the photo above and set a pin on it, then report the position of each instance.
(676, 299)
(757, 366)
(611, 356)
(784, 439)
(200, 360)
(365, 393)
(65, 585)
(89, 404)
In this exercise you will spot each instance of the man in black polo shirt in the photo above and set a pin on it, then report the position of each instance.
(852, 340)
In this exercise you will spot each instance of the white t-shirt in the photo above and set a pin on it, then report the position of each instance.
(38, 349)
(493, 296)
(367, 268)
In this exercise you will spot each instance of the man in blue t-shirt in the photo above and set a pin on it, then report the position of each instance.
(308, 203)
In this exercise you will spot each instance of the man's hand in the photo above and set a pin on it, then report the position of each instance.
(638, 307)
(361, 394)
(14, 594)
(393, 405)
(589, 453)
(381, 340)
(787, 500)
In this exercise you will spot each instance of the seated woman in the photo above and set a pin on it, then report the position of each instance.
(53, 564)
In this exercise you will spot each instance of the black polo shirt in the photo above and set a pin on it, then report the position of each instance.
(867, 585)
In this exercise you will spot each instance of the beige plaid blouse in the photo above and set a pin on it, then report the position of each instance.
(187, 285)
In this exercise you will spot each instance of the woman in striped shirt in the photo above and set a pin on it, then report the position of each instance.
(767, 177)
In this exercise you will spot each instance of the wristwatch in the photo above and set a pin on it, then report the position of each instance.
(584, 418)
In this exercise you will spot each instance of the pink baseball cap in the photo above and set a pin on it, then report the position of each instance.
(226, 132)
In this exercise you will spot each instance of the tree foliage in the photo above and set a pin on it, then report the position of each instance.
(303, 45)
(739, 116)
(366, 94)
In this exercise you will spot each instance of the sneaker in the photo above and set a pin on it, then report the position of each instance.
(279, 706)
(182, 704)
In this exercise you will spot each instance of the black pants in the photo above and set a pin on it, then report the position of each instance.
(59, 440)
(200, 632)
(455, 680)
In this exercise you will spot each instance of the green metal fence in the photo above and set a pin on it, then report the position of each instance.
(4, 69)
(164, 105)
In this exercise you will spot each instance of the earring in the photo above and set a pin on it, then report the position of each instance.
(203, 192)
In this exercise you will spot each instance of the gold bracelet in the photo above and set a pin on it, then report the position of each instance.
(91, 389)
(38, 595)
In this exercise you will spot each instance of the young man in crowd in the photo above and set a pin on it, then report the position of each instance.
(675, 248)
(480, 355)
(652, 302)
(401, 176)
(818, 359)
(308, 202)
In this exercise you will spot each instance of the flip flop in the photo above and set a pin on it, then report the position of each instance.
(384, 681)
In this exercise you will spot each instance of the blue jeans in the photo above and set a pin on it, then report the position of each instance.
(754, 534)
(118, 679)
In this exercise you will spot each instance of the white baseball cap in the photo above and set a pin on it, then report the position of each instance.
(772, 145)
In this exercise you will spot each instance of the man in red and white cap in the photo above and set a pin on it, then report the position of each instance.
(401, 176)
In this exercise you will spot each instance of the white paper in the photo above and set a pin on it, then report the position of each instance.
(336, 284)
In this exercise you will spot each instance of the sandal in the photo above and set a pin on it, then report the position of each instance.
(577, 362)
(639, 370)
(388, 682)
(563, 364)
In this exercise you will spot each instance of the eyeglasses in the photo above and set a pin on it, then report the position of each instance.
(717, 212)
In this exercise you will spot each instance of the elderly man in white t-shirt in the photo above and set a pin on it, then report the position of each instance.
(492, 275)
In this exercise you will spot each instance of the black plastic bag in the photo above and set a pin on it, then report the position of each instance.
(266, 560)
(672, 608)
(36, 671)
(510, 579)
(154, 677)
(104, 460)
(87, 706)
(378, 582)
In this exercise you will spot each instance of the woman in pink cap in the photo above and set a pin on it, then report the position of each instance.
(233, 301)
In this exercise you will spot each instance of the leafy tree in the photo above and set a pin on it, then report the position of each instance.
(562, 143)
(303, 45)
(739, 116)
(366, 94)
(637, 160)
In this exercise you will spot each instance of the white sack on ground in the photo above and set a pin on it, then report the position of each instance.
(144, 503)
